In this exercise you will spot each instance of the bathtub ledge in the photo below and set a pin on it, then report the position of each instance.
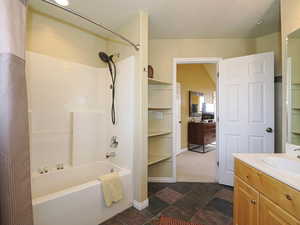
(141, 205)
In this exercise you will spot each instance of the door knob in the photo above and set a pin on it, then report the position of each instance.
(269, 130)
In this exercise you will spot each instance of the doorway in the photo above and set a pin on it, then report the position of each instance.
(244, 109)
(195, 107)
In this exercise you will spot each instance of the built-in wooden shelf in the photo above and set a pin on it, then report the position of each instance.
(153, 159)
(158, 133)
(159, 108)
(158, 82)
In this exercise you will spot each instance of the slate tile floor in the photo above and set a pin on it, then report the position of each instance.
(202, 203)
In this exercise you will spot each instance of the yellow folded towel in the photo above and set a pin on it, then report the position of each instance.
(112, 188)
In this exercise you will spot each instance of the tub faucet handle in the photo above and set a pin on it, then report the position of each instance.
(41, 171)
(60, 166)
(110, 154)
(46, 170)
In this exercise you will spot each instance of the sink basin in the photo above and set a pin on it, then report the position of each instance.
(283, 164)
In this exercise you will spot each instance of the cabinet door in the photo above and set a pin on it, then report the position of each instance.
(246, 202)
(271, 214)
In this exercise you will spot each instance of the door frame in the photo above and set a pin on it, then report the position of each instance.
(201, 60)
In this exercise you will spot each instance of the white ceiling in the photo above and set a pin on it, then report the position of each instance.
(179, 18)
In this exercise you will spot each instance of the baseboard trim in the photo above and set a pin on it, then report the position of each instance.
(162, 179)
(141, 205)
(181, 151)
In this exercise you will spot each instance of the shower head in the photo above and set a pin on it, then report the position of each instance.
(104, 57)
(113, 74)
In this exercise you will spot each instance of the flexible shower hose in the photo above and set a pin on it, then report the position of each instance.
(113, 75)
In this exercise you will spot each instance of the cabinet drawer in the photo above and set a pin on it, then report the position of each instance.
(248, 174)
(270, 214)
(283, 195)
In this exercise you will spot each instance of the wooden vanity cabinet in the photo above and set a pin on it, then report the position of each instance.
(245, 203)
(271, 214)
(262, 200)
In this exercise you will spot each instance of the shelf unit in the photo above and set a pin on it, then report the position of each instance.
(160, 135)
(159, 108)
(157, 82)
(295, 109)
(153, 159)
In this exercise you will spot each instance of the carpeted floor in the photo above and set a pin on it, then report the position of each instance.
(200, 203)
(196, 167)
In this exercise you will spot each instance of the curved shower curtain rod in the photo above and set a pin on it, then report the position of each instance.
(74, 12)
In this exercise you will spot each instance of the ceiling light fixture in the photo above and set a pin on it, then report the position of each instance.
(260, 22)
(62, 2)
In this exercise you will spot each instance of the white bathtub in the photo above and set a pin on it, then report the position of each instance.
(73, 196)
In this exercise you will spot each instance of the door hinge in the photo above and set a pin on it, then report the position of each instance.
(218, 119)
(218, 75)
(218, 164)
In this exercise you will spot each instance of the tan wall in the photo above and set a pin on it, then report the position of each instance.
(162, 51)
(290, 21)
(192, 77)
(271, 42)
(212, 71)
(136, 30)
(52, 37)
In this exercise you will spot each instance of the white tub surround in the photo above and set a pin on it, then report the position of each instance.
(77, 193)
(67, 104)
(72, 124)
(15, 195)
(257, 162)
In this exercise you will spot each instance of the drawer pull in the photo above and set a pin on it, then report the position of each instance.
(247, 176)
(288, 197)
(253, 202)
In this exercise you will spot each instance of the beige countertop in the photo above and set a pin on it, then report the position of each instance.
(256, 161)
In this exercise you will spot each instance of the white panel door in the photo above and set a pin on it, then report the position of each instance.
(246, 109)
(178, 106)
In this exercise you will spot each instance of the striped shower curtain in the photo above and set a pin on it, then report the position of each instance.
(15, 190)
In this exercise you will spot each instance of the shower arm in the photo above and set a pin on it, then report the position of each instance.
(74, 12)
